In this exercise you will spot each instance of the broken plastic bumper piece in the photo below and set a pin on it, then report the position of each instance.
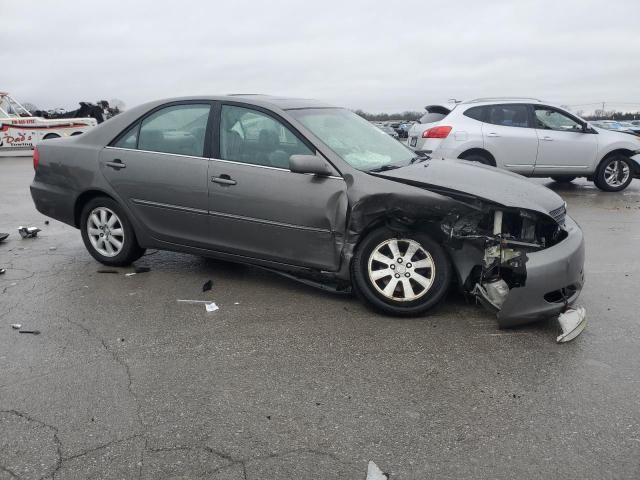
(572, 323)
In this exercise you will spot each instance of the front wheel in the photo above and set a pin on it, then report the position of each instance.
(107, 233)
(400, 274)
(614, 174)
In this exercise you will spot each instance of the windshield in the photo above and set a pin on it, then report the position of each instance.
(354, 139)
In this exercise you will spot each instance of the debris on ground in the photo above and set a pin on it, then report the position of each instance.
(105, 270)
(2, 270)
(207, 285)
(33, 332)
(130, 274)
(374, 472)
(236, 303)
(142, 269)
(46, 222)
(28, 232)
(53, 248)
(3, 236)
(211, 307)
(16, 326)
(572, 323)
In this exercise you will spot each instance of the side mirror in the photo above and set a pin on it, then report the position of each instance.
(309, 164)
(587, 128)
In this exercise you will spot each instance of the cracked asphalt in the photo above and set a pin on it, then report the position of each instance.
(286, 381)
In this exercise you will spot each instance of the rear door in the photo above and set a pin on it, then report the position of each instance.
(258, 207)
(508, 134)
(159, 168)
(564, 146)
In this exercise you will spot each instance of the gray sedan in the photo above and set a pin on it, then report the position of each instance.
(318, 193)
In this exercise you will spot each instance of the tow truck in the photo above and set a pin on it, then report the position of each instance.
(20, 131)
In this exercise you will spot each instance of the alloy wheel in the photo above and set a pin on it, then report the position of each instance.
(105, 231)
(616, 173)
(401, 270)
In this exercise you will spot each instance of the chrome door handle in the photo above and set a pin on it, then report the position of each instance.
(546, 138)
(492, 134)
(116, 164)
(223, 180)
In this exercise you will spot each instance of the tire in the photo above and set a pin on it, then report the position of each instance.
(426, 295)
(107, 252)
(478, 157)
(50, 135)
(614, 173)
(564, 179)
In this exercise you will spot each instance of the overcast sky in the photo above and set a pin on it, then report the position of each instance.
(374, 55)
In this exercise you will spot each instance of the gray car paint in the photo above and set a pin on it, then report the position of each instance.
(294, 222)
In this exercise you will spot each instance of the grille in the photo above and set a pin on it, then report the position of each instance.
(559, 214)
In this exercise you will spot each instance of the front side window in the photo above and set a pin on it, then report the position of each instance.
(549, 119)
(358, 142)
(253, 137)
(516, 115)
(179, 129)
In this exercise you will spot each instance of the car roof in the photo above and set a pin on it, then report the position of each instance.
(260, 100)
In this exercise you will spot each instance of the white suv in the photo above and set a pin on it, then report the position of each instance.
(531, 138)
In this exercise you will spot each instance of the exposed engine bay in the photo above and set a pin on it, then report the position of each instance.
(497, 243)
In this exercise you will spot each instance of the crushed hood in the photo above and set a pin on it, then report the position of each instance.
(460, 179)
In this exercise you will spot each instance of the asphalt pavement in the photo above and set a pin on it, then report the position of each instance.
(285, 381)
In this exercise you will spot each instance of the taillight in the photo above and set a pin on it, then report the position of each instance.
(437, 132)
(36, 158)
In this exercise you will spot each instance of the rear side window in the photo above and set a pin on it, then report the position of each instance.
(178, 129)
(477, 113)
(516, 115)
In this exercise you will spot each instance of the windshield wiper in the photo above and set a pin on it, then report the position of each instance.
(419, 158)
(384, 168)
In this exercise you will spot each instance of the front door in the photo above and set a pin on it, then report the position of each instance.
(564, 147)
(158, 167)
(259, 208)
(508, 134)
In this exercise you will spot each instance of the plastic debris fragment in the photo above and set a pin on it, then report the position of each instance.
(207, 285)
(211, 307)
(2, 270)
(3, 236)
(33, 332)
(28, 232)
(130, 274)
(374, 472)
(16, 326)
(572, 323)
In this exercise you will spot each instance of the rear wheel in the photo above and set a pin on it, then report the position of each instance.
(107, 233)
(614, 174)
(563, 179)
(478, 157)
(400, 274)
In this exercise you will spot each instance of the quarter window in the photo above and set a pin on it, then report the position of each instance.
(179, 129)
(516, 115)
(250, 136)
(549, 119)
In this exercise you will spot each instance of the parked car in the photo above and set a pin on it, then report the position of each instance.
(389, 131)
(315, 191)
(533, 139)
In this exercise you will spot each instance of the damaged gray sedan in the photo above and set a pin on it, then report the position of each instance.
(316, 192)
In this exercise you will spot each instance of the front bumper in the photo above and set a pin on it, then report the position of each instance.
(555, 277)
